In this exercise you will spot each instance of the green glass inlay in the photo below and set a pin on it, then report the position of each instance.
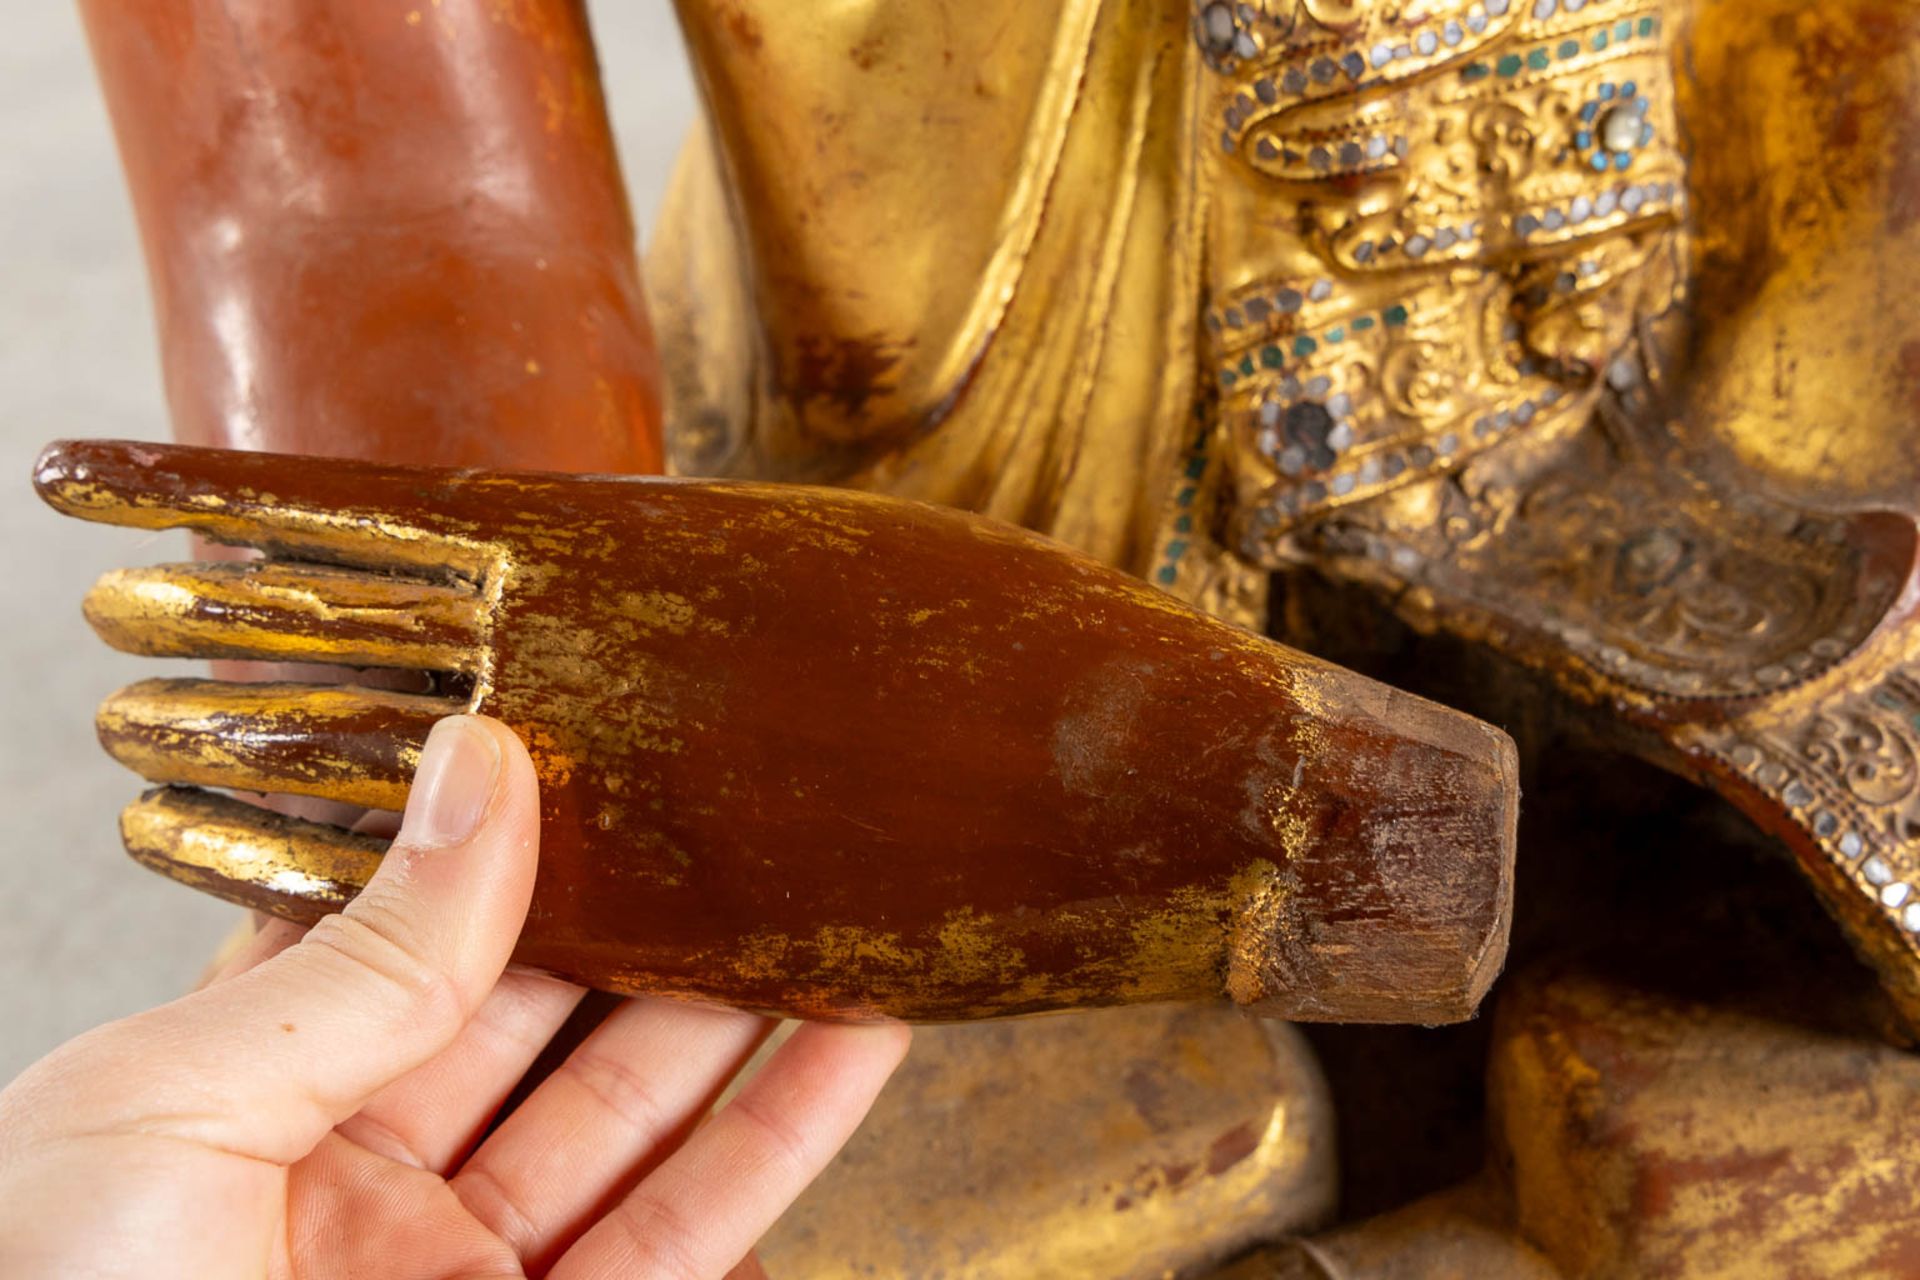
(1304, 346)
(1362, 323)
(1475, 71)
(1570, 48)
(1395, 315)
(1196, 468)
(1623, 30)
(1647, 26)
(1176, 548)
(1509, 65)
(1337, 334)
(1183, 525)
(1168, 574)
(1272, 357)
(1226, 378)
(1186, 496)
(1246, 366)
(1538, 59)
(1599, 41)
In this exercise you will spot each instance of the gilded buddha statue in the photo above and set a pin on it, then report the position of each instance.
(1441, 300)
(1568, 329)
(1544, 352)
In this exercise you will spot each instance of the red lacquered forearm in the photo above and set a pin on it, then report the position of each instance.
(384, 231)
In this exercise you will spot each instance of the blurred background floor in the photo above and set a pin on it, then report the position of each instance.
(85, 935)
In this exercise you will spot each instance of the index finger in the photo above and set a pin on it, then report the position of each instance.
(330, 510)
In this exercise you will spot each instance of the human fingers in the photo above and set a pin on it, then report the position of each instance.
(433, 1115)
(269, 938)
(265, 1063)
(624, 1098)
(703, 1209)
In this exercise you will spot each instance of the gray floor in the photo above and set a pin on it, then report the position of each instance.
(84, 934)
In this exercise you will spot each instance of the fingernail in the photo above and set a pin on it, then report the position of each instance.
(459, 766)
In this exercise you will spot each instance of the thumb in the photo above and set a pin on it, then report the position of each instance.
(266, 1063)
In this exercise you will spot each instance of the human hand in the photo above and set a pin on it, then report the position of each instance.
(321, 1109)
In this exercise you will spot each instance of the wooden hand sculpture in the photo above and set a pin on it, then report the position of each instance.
(804, 751)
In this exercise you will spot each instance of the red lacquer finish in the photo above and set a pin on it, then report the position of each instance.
(383, 230)
(808, 750)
